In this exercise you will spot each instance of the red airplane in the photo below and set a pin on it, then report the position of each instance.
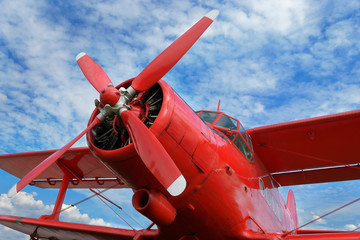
(195, 175)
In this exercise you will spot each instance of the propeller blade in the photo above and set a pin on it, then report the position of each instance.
(153, 154)
(170, 56)
(28, 178)
(93, 72)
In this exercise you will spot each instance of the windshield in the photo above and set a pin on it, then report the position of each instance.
(229, 129)
(209, 117)
(227, 122)
(243, 147)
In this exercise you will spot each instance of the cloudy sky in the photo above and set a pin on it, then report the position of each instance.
(268, 62)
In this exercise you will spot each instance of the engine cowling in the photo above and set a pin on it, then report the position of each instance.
(111, 143)
(186, 138)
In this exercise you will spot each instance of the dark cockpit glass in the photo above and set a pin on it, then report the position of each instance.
(209, 117)
(226, 122)
(230, 130)
(240, 144)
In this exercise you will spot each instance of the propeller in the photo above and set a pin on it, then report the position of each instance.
(157, 68)
(171, 55)
(28, 178)
(93, 72)
(153, 154)
(115, 102)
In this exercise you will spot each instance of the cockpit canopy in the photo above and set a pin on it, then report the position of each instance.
(229, 129)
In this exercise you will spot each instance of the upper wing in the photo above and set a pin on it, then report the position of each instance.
(45, 229)
(315, 150)
(79, 160)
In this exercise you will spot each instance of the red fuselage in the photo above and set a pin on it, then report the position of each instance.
(228, 195)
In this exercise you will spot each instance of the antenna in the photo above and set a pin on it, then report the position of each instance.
(218, 106)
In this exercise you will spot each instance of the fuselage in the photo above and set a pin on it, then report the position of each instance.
(229, 193)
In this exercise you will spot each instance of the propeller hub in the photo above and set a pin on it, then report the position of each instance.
(110, 95)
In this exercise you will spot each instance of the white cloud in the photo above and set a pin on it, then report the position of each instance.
(277, 17)
(25, 205)
(3, 99)
(121, 197)
(73, 215)
(350, 227)
(319, 220)
(9, 234)
(319, 199)
(256, 21)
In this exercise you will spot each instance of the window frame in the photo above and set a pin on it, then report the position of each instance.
(223, 132)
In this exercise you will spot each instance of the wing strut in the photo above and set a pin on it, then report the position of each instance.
(99, 194)
(69, 174)
(59, 200)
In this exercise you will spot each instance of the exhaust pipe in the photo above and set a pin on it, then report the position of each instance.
(154, 206)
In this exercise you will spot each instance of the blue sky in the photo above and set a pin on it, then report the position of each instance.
(268, 62)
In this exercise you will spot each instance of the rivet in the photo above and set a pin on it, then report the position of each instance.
(311, 134)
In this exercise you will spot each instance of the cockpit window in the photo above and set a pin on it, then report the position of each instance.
(230, 129)
(227, 122)
(228, 134)
(243, 147)
(245, 135)
(209, 117)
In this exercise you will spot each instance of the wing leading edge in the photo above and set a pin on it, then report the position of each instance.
(314, 150)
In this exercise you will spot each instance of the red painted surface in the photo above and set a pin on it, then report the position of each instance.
(311, 143)
(150, 150)
(109, 95)
(155, 206)
(60, 200)
(93, 73)
(291, 205)
(223, 186)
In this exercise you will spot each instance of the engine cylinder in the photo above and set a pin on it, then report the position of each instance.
(154, 206)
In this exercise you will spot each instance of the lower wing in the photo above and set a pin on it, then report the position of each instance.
(323, 234)
(45, 229)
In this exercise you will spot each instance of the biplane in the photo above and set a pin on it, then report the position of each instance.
(195, 175)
